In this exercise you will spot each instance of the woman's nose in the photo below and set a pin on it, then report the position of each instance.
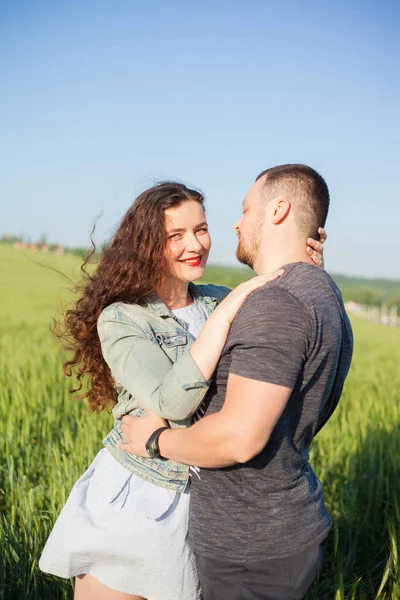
(193, 244)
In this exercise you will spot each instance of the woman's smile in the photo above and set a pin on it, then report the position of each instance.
(193, 261)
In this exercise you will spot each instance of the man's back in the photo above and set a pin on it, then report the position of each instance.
(295, 333)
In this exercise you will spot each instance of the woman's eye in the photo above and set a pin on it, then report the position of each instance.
(203, 229)
(174, 236)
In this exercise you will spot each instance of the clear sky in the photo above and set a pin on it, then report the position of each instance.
(102, 99)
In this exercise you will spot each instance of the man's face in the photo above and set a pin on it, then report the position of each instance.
(249, 226)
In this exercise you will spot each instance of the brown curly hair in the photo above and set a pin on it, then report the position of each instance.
(131, 266)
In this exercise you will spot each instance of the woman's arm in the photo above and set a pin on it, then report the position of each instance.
(171, 390)
(208, 347)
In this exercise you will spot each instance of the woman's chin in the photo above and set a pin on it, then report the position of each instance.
(195, 273)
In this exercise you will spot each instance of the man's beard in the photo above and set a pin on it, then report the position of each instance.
(246, 253)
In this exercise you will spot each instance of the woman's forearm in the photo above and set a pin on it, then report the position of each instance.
(207, 349)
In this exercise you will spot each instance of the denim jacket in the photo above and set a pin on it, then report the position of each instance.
(147, 350)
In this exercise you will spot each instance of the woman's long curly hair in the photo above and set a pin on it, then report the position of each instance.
(131, 267)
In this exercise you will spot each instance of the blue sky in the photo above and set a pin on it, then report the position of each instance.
(102, 99)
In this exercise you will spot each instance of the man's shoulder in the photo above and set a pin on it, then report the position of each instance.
(311, 286)
(320, 296)
(304, 292)
(270, 308)
(305, 275)
(277, 293)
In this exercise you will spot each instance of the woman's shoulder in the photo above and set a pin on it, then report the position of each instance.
(214, 291)
(122, 312)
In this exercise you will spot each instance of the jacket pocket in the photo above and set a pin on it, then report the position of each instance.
(173, 344)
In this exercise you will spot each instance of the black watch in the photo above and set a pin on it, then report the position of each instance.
(152, 447)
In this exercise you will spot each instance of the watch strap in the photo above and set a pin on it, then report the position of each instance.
(152, 447)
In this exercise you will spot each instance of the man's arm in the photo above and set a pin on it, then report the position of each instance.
(269, 340)
(234, 435)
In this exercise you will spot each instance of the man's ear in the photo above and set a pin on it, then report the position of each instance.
(280, 210)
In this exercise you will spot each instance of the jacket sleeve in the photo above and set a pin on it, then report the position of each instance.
(172, 390)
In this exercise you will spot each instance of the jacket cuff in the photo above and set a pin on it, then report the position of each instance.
(189, 374)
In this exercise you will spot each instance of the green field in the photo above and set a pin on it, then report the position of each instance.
(47, 439)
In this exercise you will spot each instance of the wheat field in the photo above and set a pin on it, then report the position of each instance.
(47, 439)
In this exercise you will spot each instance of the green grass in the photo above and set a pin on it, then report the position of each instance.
(47, 439)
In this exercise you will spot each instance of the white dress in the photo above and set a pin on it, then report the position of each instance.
(126, 532)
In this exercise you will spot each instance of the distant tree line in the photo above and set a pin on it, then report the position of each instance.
(369, 292)
(43, 242)
(366, 292)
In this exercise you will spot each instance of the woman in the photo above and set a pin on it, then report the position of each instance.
(122, 531)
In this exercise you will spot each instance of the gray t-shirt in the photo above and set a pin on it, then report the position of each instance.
(293, 332)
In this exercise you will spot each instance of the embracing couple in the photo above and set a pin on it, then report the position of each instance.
(204, 489)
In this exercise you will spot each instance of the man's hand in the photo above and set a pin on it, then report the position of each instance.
(137, 430)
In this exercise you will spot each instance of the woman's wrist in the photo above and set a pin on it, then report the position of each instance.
(220, 318)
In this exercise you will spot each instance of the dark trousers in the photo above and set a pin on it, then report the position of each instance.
(275, 579)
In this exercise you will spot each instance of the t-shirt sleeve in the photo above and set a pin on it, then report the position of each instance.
(270, 337)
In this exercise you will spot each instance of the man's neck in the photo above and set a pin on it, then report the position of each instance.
(269, 261)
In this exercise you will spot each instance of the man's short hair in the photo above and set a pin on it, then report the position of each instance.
(306, 190)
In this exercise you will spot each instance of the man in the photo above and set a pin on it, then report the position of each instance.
(257, 513)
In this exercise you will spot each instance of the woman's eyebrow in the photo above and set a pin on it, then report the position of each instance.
(181, 229)
(175, 230)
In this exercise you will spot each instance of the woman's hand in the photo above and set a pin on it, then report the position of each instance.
(233, 301)
(315, 248)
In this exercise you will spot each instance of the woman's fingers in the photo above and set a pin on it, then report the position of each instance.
(274, 274)
(315, 247)
(258, 281)
(316, 256)
(322, 234)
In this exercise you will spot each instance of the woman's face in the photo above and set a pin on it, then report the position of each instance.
(188, 240)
